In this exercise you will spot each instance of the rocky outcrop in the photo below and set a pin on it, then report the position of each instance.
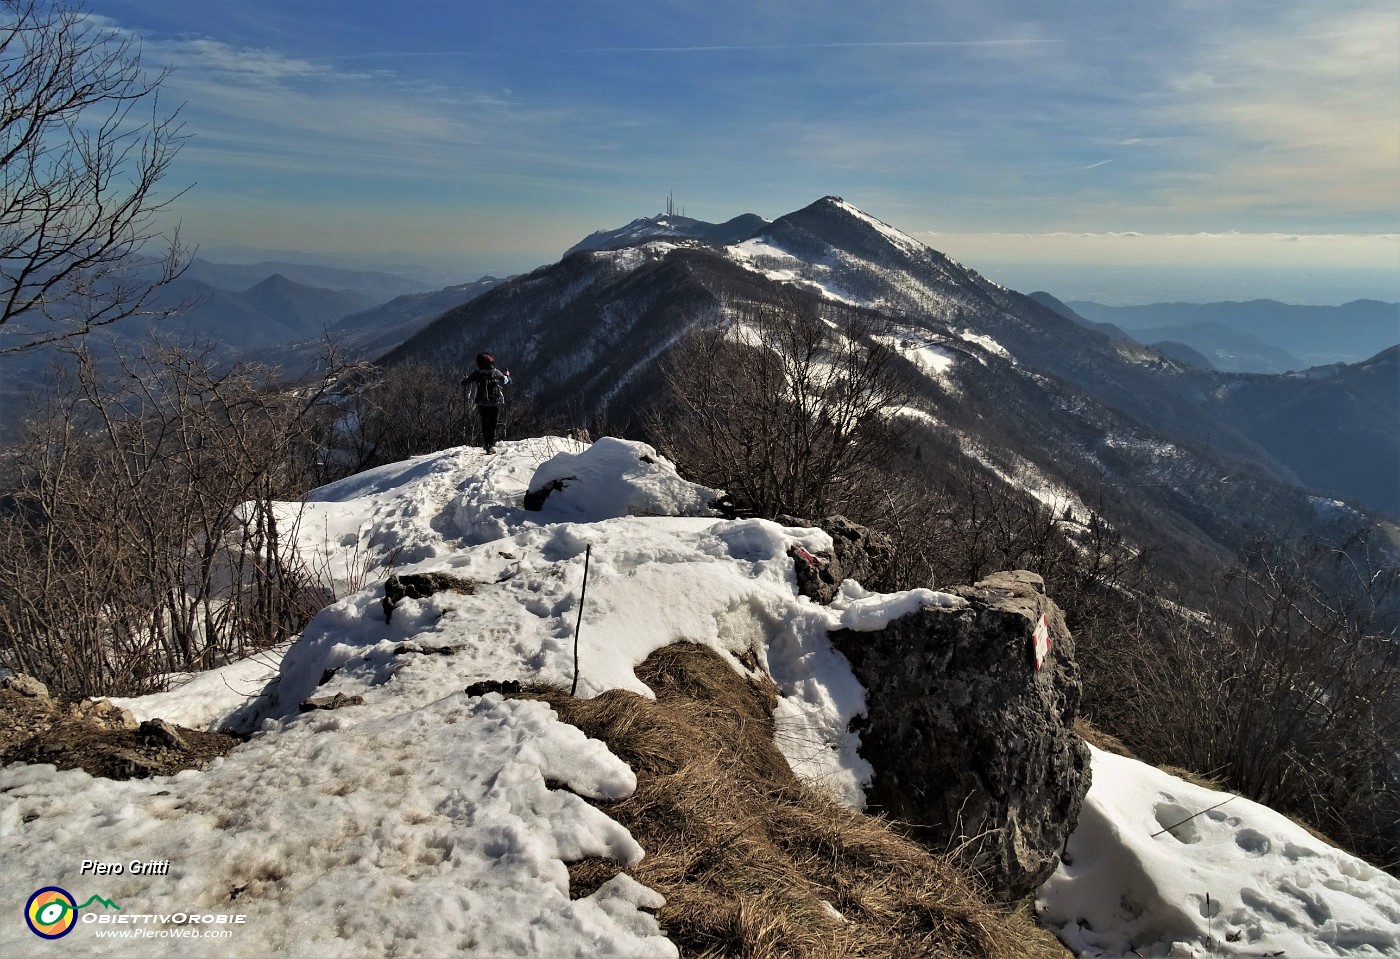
(25, 686)
(534, 499)
(857, 553)
(970, 740)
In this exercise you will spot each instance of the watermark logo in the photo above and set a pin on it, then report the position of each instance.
(52, 912)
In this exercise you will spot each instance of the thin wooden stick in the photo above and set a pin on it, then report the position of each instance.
(587, 553)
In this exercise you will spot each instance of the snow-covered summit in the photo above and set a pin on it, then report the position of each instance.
(672, 226)
(897, 237)
(420, 820)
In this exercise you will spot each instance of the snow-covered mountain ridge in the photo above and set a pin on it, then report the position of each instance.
(588, 336)
(425, 820)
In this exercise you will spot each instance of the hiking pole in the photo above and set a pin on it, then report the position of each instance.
(467, 437)
(588, 552)
(505, 418)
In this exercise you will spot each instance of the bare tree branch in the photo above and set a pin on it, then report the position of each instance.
(84, 144)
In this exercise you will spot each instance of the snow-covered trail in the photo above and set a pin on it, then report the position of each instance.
(425, 821)
(1234, 878)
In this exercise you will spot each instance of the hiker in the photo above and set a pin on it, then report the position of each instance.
(490, 396)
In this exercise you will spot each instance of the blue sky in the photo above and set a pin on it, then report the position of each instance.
(1065, 142)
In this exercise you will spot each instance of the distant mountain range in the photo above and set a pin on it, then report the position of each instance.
(1335, 426)
(247, 312)
(375, 287)
(1260, 336)
(273, 312)
(381, 328)
(1192, 452)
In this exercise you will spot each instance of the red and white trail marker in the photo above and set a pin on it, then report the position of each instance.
(1042, 641)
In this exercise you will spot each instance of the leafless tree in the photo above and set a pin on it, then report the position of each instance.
(389, 414)
(788, 408)
(84, 144)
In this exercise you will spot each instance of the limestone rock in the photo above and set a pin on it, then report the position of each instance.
(337, 701)
(971, 742)
(101, 738)
(25, 686)
(104, 714)
(163, 735)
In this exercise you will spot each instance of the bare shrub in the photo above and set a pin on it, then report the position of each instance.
(388, 414)
(142, 531)
(1287, 692)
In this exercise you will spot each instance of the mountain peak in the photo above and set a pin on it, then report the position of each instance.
(276, 283)
(836, 222)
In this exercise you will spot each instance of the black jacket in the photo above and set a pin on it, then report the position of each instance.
(489, 386)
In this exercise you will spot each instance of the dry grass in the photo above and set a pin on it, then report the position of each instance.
(1100, 739)
(1110, 743)
(751, 862)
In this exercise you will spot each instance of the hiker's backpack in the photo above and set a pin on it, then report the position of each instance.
(488, 387)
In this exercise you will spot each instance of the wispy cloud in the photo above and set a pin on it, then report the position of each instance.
(972, 117)
(714, 48)
(259, 110)
(835, 45)
(1302, 111)
(1220, 248)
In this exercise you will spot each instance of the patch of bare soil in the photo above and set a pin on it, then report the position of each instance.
(98, 737)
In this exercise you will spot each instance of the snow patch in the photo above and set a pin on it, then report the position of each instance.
(632, 257)
(924, 350)
(420, 832)
(204, 700)
(1162, 867)
(987, 343)
(901, 240)
(613, 478)
(866, 612)
(773, 262)
(914, 413)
